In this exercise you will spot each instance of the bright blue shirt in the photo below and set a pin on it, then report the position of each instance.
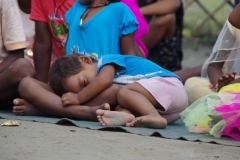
(101, 34)
(133, 68)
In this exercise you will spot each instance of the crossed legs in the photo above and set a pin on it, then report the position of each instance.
(38, 98)
(11, 77)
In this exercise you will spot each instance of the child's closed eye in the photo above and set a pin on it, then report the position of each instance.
(85, 82)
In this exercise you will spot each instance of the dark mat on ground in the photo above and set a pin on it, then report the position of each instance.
(174, 131)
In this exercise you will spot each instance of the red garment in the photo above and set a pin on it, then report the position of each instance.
(53, 12)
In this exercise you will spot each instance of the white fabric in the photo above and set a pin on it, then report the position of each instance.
(226, 49)
(11, 31)
(28, 27)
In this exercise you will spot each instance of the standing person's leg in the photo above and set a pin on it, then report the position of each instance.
(39, 99)
(11, 77)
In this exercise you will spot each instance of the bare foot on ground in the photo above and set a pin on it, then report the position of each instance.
(23, 108)
(225, 80)
(157, 122)
(113, 118)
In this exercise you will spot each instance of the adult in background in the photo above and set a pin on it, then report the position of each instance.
(163, 41)
(28, 27)
(223, 65)
(13, 68)
(50, 32)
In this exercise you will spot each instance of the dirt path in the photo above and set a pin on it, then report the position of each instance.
(35, 141)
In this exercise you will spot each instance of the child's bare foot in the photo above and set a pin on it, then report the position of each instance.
(225, 80)
(157, 122)
(113, 118)
(23, 108)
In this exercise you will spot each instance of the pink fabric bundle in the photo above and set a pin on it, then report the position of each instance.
(231, 115)
(142, 26)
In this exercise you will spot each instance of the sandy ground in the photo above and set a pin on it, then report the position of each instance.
(34, 140)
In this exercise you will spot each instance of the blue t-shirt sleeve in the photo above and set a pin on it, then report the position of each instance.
(128, 23)
(112, 59)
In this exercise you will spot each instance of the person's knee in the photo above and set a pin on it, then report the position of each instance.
(25, 85)
(22, 68)
(110, 94)
(164, 20)
(122, 93)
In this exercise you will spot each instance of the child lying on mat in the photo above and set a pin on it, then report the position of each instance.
(152, 96)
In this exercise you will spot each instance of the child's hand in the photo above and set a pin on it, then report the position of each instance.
(69, 98)
(226, 79)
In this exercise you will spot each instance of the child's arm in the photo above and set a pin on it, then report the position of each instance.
(161, 7)
(225, 80)
(234, 17)
(235, 81)
(214, 72)
(129, 46)
(99, 84)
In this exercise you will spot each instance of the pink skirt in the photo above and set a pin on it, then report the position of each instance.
(170, 93)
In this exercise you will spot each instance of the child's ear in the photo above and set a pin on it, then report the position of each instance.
(85, 59)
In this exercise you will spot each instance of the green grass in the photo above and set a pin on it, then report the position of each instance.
(194, 15)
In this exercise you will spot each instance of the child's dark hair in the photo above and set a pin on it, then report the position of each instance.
(112, 1)
(63, 68)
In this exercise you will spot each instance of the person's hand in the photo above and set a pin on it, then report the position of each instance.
(69, 98)
(225, 80)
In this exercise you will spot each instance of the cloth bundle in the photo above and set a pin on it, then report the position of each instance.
(217, 113)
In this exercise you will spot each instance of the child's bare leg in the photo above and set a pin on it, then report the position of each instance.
(140, 102)
(113, 118)
(24, 108)
(225, 79)
(159, 27)
(11, 77)
(50, 104)
(120, 109)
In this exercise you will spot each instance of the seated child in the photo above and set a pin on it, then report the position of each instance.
(101, 27)
(13, 67)
(216, 109)
(215, 95)
(224, 59)
(151, 96)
